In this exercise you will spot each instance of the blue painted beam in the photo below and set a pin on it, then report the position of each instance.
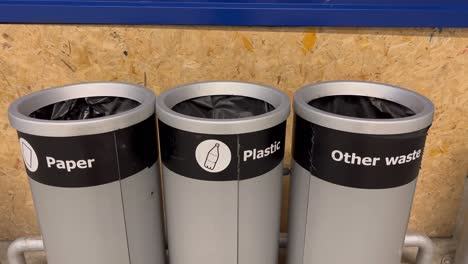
(369, 13)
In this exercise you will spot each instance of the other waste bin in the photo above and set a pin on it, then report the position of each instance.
(356, 154)
(90, 151)
(222, 148)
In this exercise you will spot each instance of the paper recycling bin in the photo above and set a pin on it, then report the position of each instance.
(90, 151)
(356, 154)
(222, 148)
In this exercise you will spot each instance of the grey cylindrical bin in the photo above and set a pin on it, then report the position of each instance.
(94, 182)
(353, 178)
(222, 177)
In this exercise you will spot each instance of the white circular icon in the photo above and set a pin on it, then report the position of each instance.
(213, 155)
(29, 155)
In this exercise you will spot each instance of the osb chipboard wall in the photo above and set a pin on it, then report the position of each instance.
(431, 62)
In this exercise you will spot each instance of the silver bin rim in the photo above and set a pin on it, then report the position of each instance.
(422, 106)
(168, 99)
(19, 110)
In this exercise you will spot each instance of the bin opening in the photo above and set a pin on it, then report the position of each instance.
(85, 108)
(223, 107)
(361, 106)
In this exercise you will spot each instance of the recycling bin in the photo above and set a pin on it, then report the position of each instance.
(357, 151)
(90, 151)
(222, 148)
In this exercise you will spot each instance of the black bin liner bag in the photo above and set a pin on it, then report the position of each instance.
(85, 108)
(223, 107)
(361, 106)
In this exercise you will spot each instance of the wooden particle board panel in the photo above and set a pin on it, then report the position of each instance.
(429, 61)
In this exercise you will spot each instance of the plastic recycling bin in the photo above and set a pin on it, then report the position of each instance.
(222, 148)
(90, 151)
(356, 154)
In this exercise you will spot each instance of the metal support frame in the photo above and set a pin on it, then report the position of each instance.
(21, 245)
(424, 245)
(18, 247)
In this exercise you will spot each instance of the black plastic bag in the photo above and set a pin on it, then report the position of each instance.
(223, 107)
(85, 108)
(361, 106)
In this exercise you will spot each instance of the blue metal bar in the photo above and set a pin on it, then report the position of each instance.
(381, 13)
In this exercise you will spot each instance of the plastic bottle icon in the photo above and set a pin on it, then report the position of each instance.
(212, 157)
(27, 155)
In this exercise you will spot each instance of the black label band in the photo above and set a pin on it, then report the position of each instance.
(90, 160)
(358, 160)
(221, 157)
